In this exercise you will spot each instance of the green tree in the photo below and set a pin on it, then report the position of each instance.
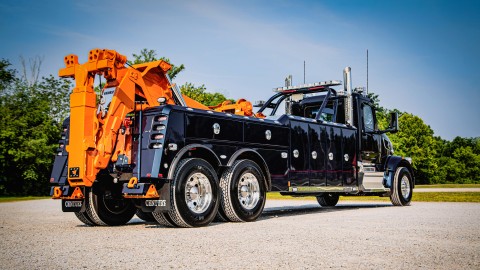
(57, 92)
(28, 138)
(201, 95)
(7, 75)
(459, 142)
(376, 102)
(459, 160)
(435, 160)
(32, 113)
(415, 139)
(146, 55)
(469, 163)
(382, 114)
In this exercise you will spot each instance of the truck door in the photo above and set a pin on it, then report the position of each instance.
(370, 142)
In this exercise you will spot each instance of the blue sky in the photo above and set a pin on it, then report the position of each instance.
(423, 55)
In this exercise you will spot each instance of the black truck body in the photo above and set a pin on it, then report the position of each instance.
(310, 150)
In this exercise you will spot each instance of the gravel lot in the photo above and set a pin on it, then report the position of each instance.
(290, 234)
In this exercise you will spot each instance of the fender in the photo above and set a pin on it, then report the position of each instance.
(182, 152)
(257, 158)
(391, 165)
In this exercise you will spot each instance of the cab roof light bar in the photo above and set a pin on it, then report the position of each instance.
(309, 85)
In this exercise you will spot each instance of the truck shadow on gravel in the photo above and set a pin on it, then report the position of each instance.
(287, 211)
(277, 212)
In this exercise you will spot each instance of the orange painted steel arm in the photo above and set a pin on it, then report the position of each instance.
(93, 136)
(241, 107)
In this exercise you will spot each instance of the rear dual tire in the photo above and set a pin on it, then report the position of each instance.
(105, 206)
(195, 194)
(83, 217)
(243, 192)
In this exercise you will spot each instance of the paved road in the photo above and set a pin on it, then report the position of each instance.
(446, 190)
(290, 234)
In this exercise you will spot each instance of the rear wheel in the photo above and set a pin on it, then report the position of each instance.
(221, 216)
(402, 189)
(195, 194)
(83, 217)
(163, 219)
(243, 191)
(328, 200)
(106, 205)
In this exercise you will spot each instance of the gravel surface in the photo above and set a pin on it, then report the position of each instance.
(290, 234)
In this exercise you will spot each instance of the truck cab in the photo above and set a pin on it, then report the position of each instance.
(336, 145)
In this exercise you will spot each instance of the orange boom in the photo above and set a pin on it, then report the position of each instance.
(94, 130)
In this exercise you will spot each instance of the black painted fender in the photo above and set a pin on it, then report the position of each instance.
(211, 158)
(247, 153)
(391, 165)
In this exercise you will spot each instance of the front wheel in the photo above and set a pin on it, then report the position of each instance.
(243, 191)
(195, 193)
(402, 189)
(328, 200)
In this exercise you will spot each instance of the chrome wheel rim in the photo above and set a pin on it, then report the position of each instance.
(405, 187)
(198, 193)
(248, 191)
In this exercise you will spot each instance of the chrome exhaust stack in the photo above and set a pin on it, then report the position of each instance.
(347, 86)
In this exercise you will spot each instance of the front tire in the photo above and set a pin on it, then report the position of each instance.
(195, 194)
(243, 191)
(106, 205)
(402, 189)
(328, 200)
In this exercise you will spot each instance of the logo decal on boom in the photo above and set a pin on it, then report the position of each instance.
(73, 172)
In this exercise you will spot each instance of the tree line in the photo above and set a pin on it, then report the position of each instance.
(32, 112)
(435, 160)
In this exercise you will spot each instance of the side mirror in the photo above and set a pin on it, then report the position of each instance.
(393, 125)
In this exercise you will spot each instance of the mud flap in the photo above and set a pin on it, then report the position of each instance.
(161, 204)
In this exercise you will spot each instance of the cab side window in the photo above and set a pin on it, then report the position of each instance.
(328, 113)
(368, 120)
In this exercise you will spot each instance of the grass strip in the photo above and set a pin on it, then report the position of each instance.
(417, 197)
(449, 186)
(17, 199)
(446, 197)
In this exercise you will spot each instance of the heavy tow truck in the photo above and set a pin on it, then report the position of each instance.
(146, 149)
